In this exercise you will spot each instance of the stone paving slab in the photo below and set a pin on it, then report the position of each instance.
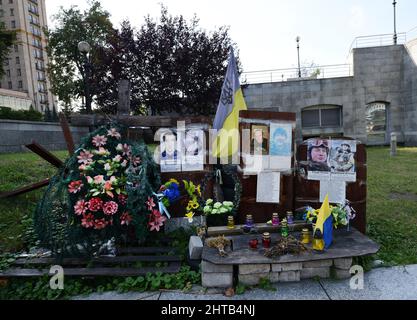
(395, 283)
(114, 295)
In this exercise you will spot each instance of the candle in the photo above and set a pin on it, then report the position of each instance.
(230, 222)
(253, 243)
(266, 240)
(290, 218)
(284, 228)
(275, 219)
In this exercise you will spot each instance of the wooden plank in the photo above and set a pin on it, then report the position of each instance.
(101, 260)
(111, 272)
(44, 154)
(67, 133)
(23, 190)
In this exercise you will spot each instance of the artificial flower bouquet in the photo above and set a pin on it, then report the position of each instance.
(341, 214)
(217, 212)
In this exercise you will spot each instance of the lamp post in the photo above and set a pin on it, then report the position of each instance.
(395, 22)
(298, 52)
(84, 48)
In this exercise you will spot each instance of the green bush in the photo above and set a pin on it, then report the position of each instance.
(28, 115)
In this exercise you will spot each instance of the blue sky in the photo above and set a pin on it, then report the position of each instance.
(265, 30)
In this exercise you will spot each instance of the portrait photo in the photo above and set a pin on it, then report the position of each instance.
(194, 150)
(259, 140)
(318, 155)
(342, 156)
(170, 148)
(281, 139)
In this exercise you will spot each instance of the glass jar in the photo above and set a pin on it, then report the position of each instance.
(275, 219)
(230, 222)
(290, 217)
(318, 241)
(305, 236)
(266, 240)
(249, 221)
(284, 228)
(253, 243)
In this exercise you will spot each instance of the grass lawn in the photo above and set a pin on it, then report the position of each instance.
(392, 223)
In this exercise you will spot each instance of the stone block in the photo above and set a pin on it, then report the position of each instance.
(341, 273)
(195, 247)
(253, 279)
(318, 263)
(308, 273)
(208, 267)
(254, 268)
(343, 263)
(217, 280)
(294, 266)
(289, 276)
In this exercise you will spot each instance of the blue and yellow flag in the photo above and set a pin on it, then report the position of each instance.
(325, 222)
(227, 114)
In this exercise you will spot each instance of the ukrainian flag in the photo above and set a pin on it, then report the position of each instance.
(325, 222)
(226, 121)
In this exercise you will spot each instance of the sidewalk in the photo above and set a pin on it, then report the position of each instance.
(394, 283)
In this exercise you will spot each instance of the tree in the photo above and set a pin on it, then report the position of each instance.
(172, 65)
(7, 39)
(67, 68)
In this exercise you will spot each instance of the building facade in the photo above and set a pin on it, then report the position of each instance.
(25, 68)
(377, 99)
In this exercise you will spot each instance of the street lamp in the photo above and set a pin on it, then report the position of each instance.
(298, 51)
(84, 48)
(395, 23)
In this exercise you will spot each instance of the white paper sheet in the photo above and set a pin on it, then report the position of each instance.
(335, 189)
(268, 187)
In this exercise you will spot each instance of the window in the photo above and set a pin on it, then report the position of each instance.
(1, 13)
(321, 116)
(10, 1)
(13, 24)
(376, 122)
(19, 72)
(12, 12)
(20, 84)
(8, 73)
(10, 85)
(17, 60)
(16, 48)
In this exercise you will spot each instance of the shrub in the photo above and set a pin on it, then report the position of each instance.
(28, 115)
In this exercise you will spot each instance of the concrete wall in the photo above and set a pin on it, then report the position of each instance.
(15, 134)
(381, 74)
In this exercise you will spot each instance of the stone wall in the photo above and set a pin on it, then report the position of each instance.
(15, 134)
(381, 74)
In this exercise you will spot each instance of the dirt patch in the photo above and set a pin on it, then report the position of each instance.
(403, 196)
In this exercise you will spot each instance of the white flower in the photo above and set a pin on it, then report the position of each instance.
(107, 167)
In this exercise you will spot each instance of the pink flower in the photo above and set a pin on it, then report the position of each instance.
(99, 179)
(157, 220)
(107, 188)
(80, 207)
(113, 133)
(150, 203)
(124, 163)
(100, 224)
(110, 208)
(95, 204)
(117, 158)
(125, 219)
(135, 161)
(99, 141)
(125, 148)
(87, 221)
(85, 157)
(75, 186)
(122, 199)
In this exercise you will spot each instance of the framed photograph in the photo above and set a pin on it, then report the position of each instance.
(342, 160)
(280, 150)
(194, 150)
(171, 151)
(259, 140)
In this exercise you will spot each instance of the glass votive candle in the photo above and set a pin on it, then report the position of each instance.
(249, 221)
(253, 243)
(275, 219)
(290, 217)
(266, 240)
(230, 222)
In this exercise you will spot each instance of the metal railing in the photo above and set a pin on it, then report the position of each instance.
(378, 40)
(290, 74)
